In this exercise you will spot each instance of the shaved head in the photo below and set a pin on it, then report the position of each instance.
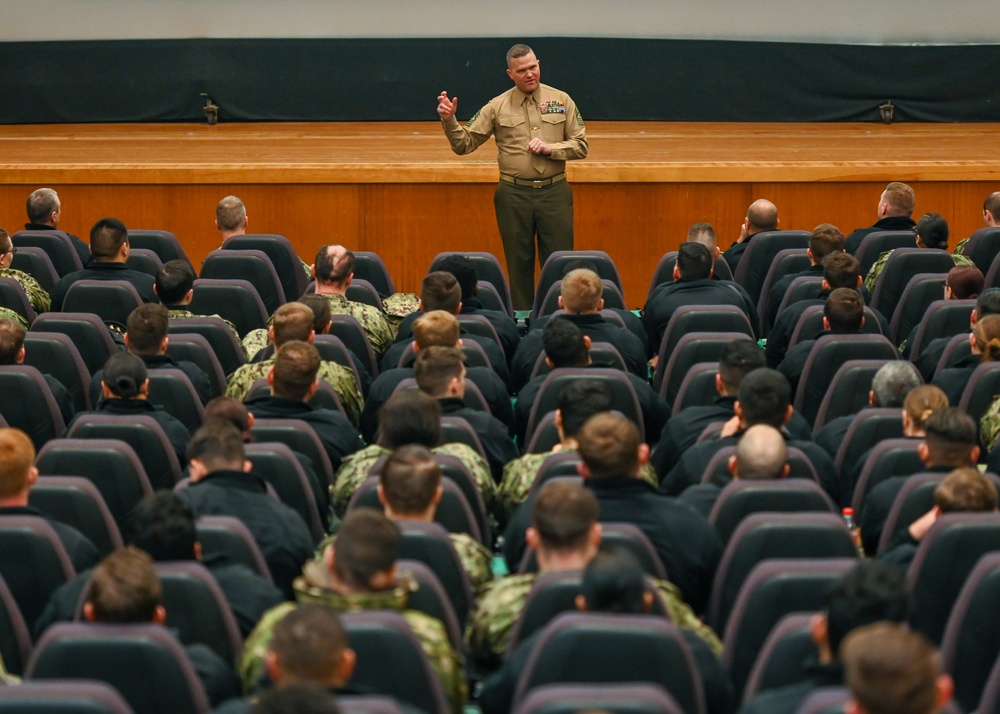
(761, 453)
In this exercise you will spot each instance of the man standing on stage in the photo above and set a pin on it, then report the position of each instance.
(538, 129)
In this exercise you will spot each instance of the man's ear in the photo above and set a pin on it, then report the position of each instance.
(818, 629)
(159, 615)
(312, 271)
(380, 492)
(247, 466)
(348, 662)
(580, 602)
(871, 397)
(974, 456)
(677, 273)
(273, 667)
(923, 451)
(732, 465)
(643, 454)
(587, 342)
(945, 687)
(88, 611)
(559, 301)
(270, 377)
(531, 537)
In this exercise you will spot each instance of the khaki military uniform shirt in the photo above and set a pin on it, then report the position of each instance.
(37, 296)
(337, 376)
(515, 118)
(373, 320)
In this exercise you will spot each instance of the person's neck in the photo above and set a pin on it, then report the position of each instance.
(229, 234)
(425, 517)
(550, 561)
(19, 500)
(331, 289)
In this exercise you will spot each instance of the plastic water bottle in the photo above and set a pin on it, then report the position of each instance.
(852, 526)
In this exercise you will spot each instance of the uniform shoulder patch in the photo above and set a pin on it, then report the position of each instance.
(579, 117)
(474, 117)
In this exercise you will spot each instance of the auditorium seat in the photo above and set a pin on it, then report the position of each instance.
(56, 355)
(920, 292)
(251, 265)
(36, 262)
(236, 300)
(488, 268)
(87, 332)
(369, 266)
(144, 261)
(848, 390)
(13, 297)
(903, 263)
(77, 502)
(143, 433)
(164, 243)
(111, 300)
(877, 242)
(285, 260)
(57, 246)
(760, 253)
(558, 262)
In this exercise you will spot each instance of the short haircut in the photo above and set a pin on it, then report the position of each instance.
(988, 302)
(564, 344)
(230, 213)
(763, 215)
(107, 238)
(987, 335)
(581, 399)
(440, 291)
(844, 310)
(965, 281)
(437, 328)
(228, 409)
(173, 280)
(933, 231)
(892, 670)
(951, 437)
(518, 50)
(321, 310)
(298, 698)
(6, 244)
(436, 367)
(893, 381)
(17, 454)
(764, 396)
(738, 359)
(334, 263)
(41, 204)
(609, 445)
(124, 375)
(125, 588)
(966, 490)
(218, 445)
(694, 261)
(309, 643)
(11, 340)
(410, 478)
(464, 270)
(825, 239)
(409, 416)
(761, 453)
(614, 581)
(582, 291)
(295, 369)
(900, 198)
(923, 401)
(702, 233)
(146, 327)
(162, 525)
(841, 270)
(367, 543)
(292, 321)
(563, 514)
(992, 205)
(870, 592)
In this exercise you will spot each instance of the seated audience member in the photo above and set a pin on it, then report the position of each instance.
(738, 359)
(991, 219)
(949, 443)
(125, 589)
(843, 314)
(222, 484)
(298, 698)
(890, 386)
(988, 303)
(692, 285)
(932, 232)
(764, 397)
(565, 534)
(163, 526)
(964, 282)
(333, 272)
(762, 216)
(294, 321)
(45, 214)
(964, 490)
(613, 582)
(440, 372)
(408, 417)
(566, 346)
(582, 300)
(146, 337)
(891, 670)
(440, 291)
(358, 573)
(437, 328)
(37, 296)
(110, 248)
(17, 477)
(824, 240)
(895, 206)
(704, 234)
(124, 385)
(174, 287)
(761, 455)
(984, 342)
(293, 380)
(871, 592)
(231, 217)
(12, 352)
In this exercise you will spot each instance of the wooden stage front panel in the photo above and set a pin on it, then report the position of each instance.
(397, 188)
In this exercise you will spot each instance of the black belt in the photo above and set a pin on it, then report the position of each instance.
(540, 183)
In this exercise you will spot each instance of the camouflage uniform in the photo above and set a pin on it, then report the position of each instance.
(39, 299)
(373, 320)
(879, 265)
(178, 314)
(519, 475)
(7, 313)
(354, 470)
(961, 246)
(314, 586)
(337, 376)
(399, 305)
(255, 341)
(492, 622)
(989, 425)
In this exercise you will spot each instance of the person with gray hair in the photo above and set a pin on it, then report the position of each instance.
(44, 214)
(231, 217)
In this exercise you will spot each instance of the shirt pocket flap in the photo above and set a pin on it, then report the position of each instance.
(510, 121)
(554, 118)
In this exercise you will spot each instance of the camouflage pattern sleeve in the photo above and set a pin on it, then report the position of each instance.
(876, 270)
(477, 466)
(377, 327)
(251, 664)
(244, 377)
(962, 260)
(682, 615)
(960, 247)
(518, 477)
(491, 623)
(475, 560)
(442, 656)
(989, 424)
(254, 342)
(37, 296)
(399, 305)
(352, 473)
(7, 313)
(342, 380)
(648, 474)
